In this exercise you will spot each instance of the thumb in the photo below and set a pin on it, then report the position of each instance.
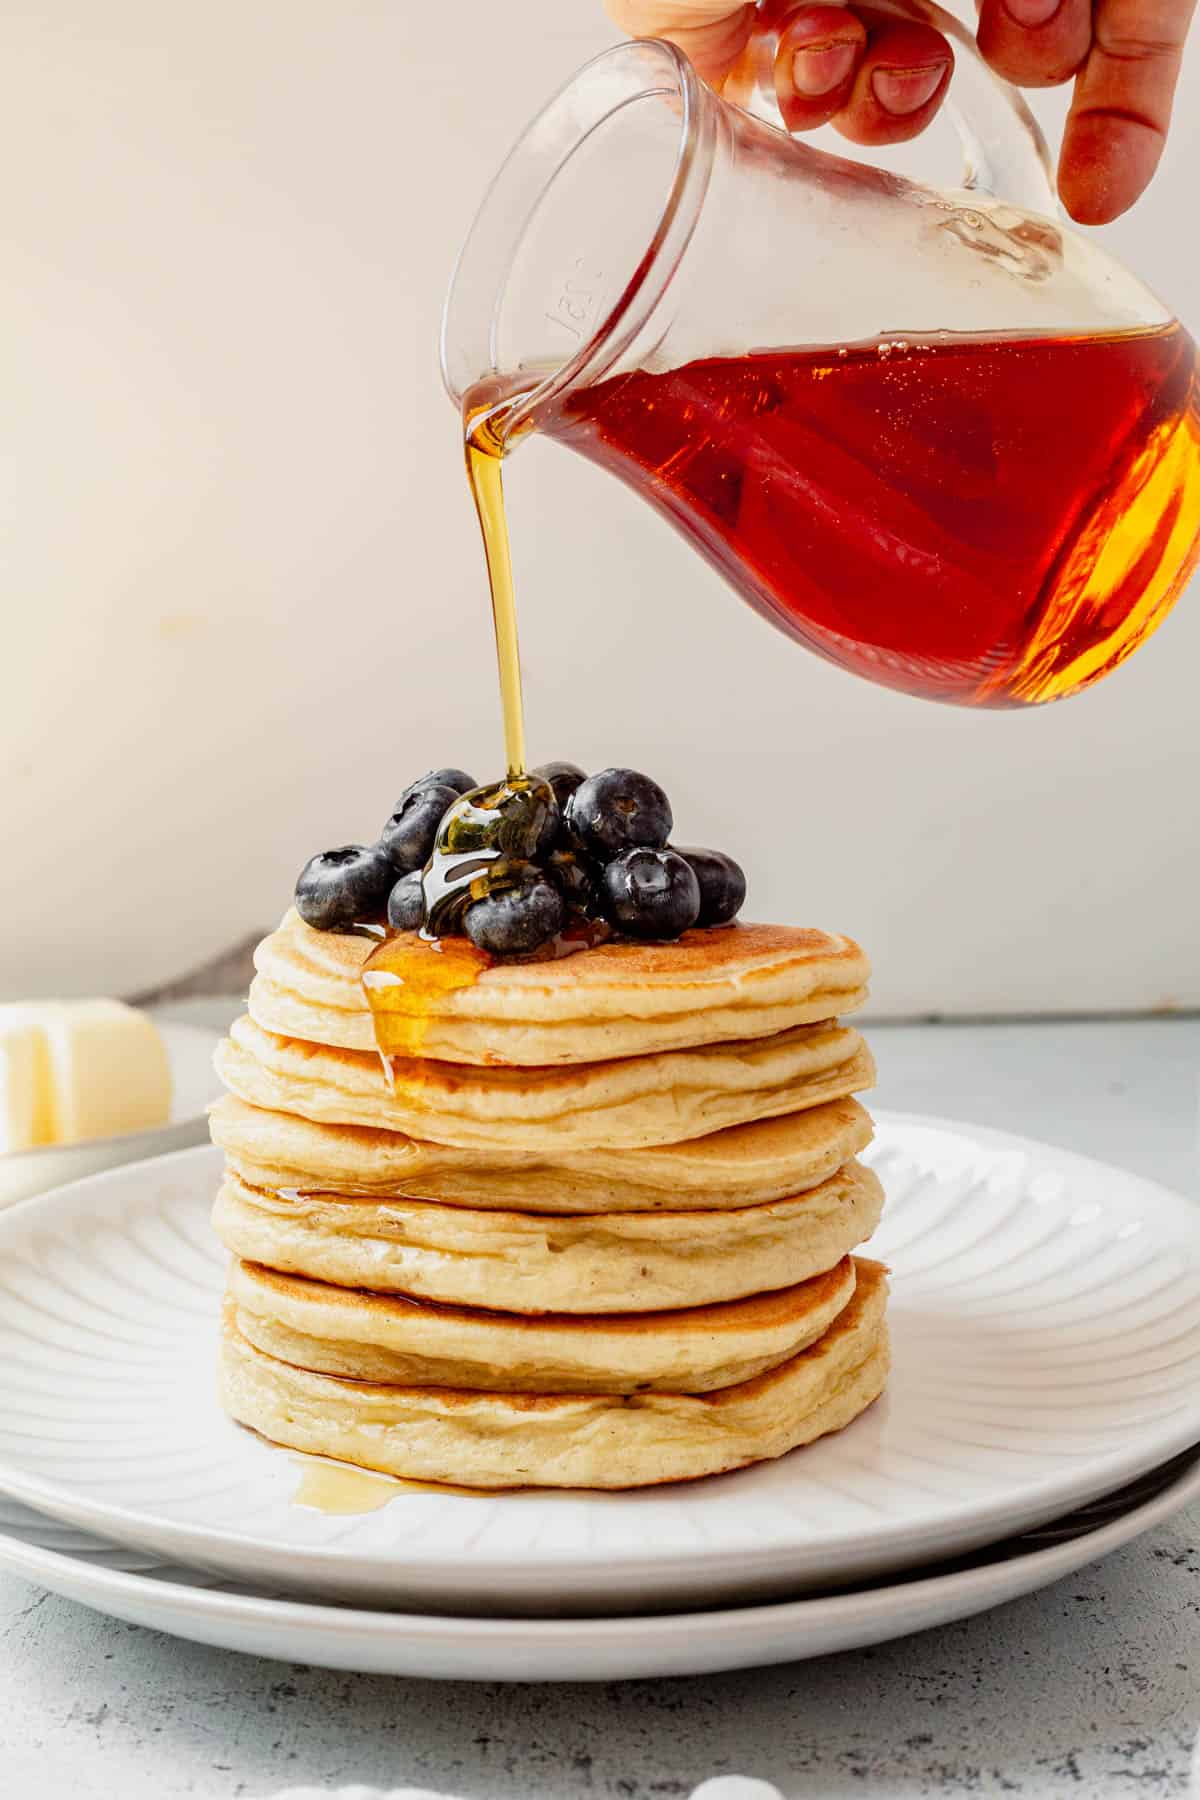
(711, 33)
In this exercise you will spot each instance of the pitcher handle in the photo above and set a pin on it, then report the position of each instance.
(1004, 152)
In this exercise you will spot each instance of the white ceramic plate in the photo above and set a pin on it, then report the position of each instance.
(145, 1591)
(194, 1087)
(1046, 1319)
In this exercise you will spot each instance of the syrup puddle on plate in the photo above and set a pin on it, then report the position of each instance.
(341, 1490)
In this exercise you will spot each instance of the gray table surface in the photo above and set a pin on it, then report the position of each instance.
(1091, 1688)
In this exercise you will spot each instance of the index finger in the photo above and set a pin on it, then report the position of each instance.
(711, 33)
(1119, 116)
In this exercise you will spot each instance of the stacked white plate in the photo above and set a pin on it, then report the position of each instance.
(1046, 1322)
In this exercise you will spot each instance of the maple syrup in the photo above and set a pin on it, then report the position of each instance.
(342, 1489)
(339, 1489)
(480, 848)
(407, 975)
(992, 522)
(405, 979)
(484, 447)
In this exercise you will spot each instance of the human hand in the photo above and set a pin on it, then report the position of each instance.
(880, 78)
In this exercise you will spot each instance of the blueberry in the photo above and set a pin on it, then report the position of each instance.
(722, 885)
(564, 778)
(651, 893)
(617, 810)
(458, 779)
(338, 888)
(575, 880)
(406, 903)
(520, 911)
(517, 818)
(408, 837)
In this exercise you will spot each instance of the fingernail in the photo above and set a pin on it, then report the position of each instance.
(819, 68)
(1032, 12)
(904, 91)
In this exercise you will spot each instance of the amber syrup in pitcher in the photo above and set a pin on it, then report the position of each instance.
(992, 522)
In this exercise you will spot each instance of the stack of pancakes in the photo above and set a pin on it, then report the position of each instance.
(592, 1230)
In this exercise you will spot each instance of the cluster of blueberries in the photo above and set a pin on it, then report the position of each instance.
(512, 866)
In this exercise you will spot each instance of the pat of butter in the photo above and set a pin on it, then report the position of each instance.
(77, 1069)
(24, 1121)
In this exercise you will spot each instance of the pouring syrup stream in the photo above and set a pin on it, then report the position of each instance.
(484, 446)
(403, 980)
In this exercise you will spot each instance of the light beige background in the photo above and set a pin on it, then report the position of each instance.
(243, 598)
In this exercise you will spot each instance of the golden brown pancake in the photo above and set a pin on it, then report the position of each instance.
(503, 1440)
(616, 1000)
(409, 1343)
(741, 1166)
(536, 1263)
(634, 1102)
(588, 1223)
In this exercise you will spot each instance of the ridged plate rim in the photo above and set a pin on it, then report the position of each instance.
(448, 1647)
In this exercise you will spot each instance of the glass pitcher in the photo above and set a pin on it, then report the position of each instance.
(932, 434)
